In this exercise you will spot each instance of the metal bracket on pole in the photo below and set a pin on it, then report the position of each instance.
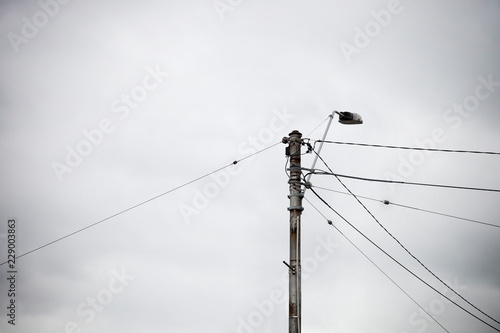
(289, 267)
(321, 144)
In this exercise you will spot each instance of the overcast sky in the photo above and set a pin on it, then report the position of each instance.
(104, 105)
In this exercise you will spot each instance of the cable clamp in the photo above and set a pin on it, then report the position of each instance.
(297, 168)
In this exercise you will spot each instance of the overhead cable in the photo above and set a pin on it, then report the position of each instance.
(411, 148)
(404, 247)
(400, 264)
(387, 202)
(141, 203)
(319, 172)
(374, 264)
(318, 126)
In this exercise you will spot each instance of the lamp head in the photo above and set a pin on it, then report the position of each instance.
(349, 118)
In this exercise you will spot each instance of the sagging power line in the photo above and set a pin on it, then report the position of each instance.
(410, 148)
(141, 203)
(401, 265)
(387, 202)
(320, 172)
(377, 266)
(401, 244)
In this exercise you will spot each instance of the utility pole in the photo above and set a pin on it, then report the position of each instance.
(296, 194)
(295, 298)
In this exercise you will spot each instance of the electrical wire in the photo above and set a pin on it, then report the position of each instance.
(402, 246)
(411, 148)
(319, 172)
(387, 202)
(374, 264)
(141, 203)
(400, 264)
(318, 126)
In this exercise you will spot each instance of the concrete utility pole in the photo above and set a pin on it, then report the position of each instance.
(296, 194)
(293, 150)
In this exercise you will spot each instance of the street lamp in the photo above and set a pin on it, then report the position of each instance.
(349, 118)
(295, 208)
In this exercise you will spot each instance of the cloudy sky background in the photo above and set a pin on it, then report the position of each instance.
(242, 75)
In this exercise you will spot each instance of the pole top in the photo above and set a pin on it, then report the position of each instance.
(296, 133)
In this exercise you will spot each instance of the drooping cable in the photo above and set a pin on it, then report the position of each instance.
(412, 148)
(400, 264)
(318, 172)
(404, 247)
(311, 132)
(387, 202)
(140, 204)
(378, 267)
